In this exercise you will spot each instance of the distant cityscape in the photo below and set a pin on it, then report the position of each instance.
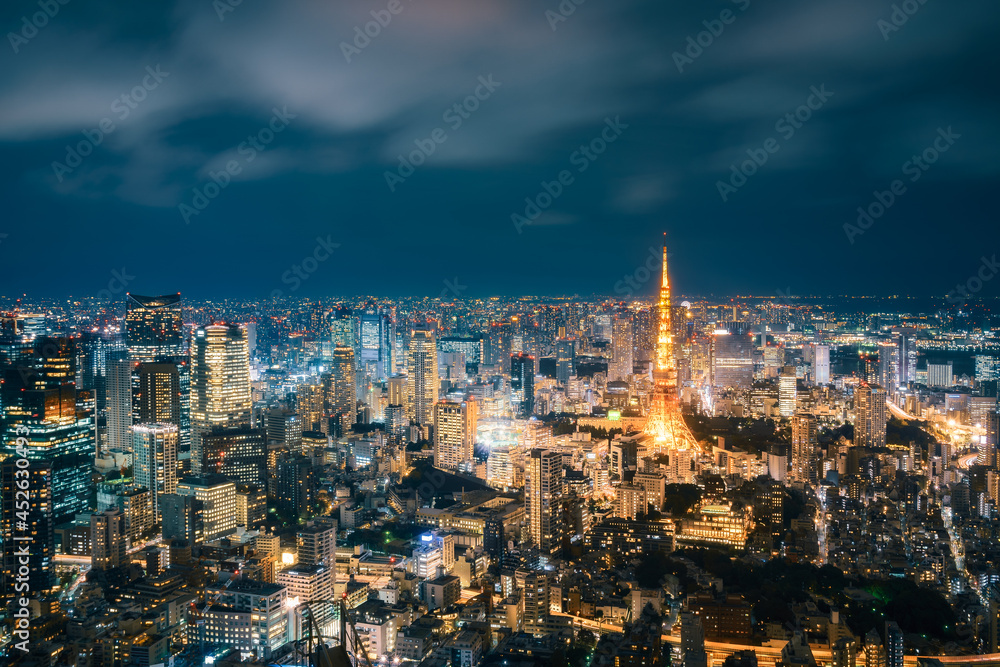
(445, 482)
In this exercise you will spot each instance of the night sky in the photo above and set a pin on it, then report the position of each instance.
(671, 116)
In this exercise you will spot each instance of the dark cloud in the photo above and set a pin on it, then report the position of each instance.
(326, 172)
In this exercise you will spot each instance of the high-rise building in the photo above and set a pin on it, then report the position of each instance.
(543, 493)
(787, 392)
(43, 420)
(565, 360)
(183, 518)
(284, 428)
(893, 644)
(906, 357)
(870, 416)
(317, 543)
(153, 327)
(732, 357)
(940, 375)
(422, 376)
(26, 528)
(119, 403)
(804, 441)
(821, 364)
(218, 496)
(987, 368)
(154, 449)
(342, 389)
(237, 453)
(296, 486)
(220, 384)
(455, 433)
(522, 384)
(376, 342)
(472, 348)
(621, 346)
(251, 505)
(158, 398)
(107, 539)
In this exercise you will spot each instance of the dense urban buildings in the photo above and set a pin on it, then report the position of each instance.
(469, 482)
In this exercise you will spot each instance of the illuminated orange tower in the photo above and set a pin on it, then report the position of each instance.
(665, 423)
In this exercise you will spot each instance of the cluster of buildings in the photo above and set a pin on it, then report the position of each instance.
(472, 482)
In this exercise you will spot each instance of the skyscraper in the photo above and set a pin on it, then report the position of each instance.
(787, 392)
(376, 342)
(621, 346)
(821, 364)
(153, 327)
(454, 433)
(804, 442)
(870, 416)
(542, 496)
(342, 389)
(42, 418)
(218, 495)
(220, 384)
(155, 454)
(237, 453)
(422, 375)
(35, 522)
(732, 357)
(940, 375)
(522, 384)
(565, 360)
(107, 539)
(119, 403)
(158, 398)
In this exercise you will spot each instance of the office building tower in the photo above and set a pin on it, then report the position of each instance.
(317, 543)
(158, 396)
(732, 357)
(220, 384)
(42, 422)
(154, 449)
(218, 497)
(455, 433)
(940, 375)
(620, 367)
(422, 376)
(522, 384)
(906, 357)
(183, 518)
(343, 328)
(543, 494)
(251, 505)
(844, 653)
(821, 364)
(396, 421)
(494, 542)
(247, 615)
(153, 327)
(472, 348)
(31, 524)
(870, 416)
(309, 403)
(342, 390)
(987, 368)
(296, 486)
(239, 454)
(787, 392)
(107, 539)
(284, 429)
(565, 360)
(377, 334)
(804, 442)
(119, 403)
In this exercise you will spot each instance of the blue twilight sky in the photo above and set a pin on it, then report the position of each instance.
(176, 91)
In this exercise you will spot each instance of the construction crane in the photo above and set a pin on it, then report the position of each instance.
(319, 654)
